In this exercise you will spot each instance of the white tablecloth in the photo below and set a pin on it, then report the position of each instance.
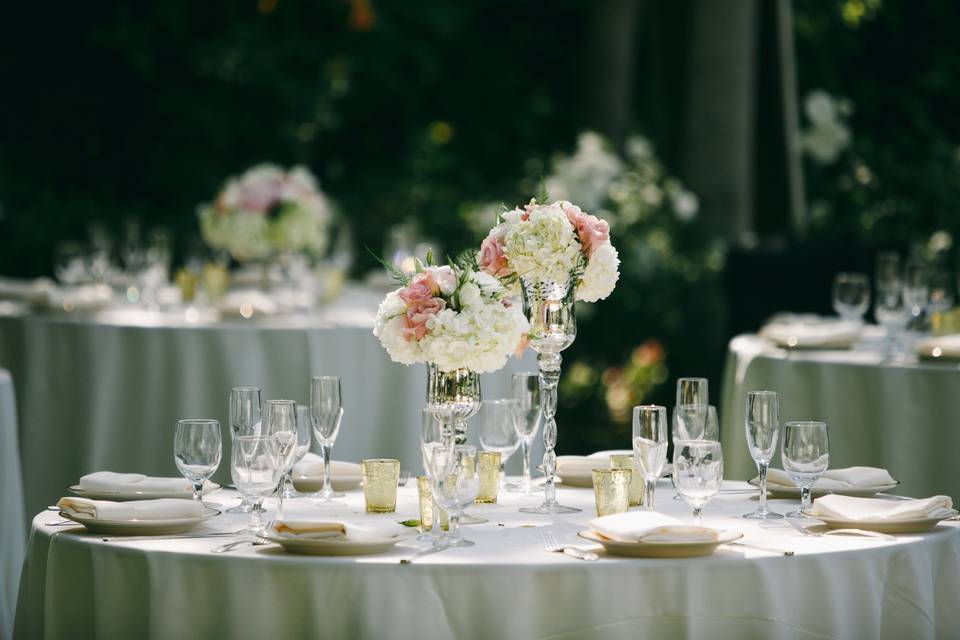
(507, 586)
(104, 390)
(13, 521)
(902, 417)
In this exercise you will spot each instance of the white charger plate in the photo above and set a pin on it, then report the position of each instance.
(781, 491)
(914, 525)
(335, 546)
(126, 496)
(662, 549)
(141, 527)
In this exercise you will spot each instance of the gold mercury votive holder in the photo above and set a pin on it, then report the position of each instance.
(380, 478)
(627, 461)
(488, 463)
(425, 493)
(611, 488)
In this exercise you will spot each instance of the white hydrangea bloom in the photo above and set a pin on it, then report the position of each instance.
(545, 246)
(601, 274)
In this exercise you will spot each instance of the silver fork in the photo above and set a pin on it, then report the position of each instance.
(839, 532)
(404, 476)
(551, 544)
(239, 544)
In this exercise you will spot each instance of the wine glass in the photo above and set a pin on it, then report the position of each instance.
(304, 438)
(196, 450)
(498, 428)
(762, 424)
(326, 412)
(245, 412)
(650, 447)
(806, 455)
(851, 295)
(695, 422)
(692, 391)
(280, 421)
(893, 315)
(431, 437)
(526, 391)
(916, 287)
(697, 473)
(255, 468)
(455, 485)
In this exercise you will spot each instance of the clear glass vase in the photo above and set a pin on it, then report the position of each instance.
(549, 307)
(453, 397)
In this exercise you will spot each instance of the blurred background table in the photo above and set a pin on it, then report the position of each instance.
(103, 390)
(13, 523)
(899, 416)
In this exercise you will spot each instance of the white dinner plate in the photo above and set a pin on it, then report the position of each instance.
(914, 525)
(141, 527)
(662, 549)
(585, 480)
(126, 496)
(312, 484)
(335, 546)
(781, 491)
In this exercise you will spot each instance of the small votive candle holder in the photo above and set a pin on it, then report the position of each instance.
(611, 488)
(488, 463)
(380, 478)
(425, 493)
(627, 461)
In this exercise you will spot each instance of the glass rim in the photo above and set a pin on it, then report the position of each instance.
(761, 392)
(685, 378)
(607, 470)
(379, 460)
(280, 401)
(257, 389)
(648, 407)
(252, 438)
(198, 421)
(804, 423)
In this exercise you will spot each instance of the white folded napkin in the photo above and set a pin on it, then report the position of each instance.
(338, 529)
(833, 479)
(822, 333)
(584, 465)
(849, 508)
(247, 303)
(112, 482)
(164, 509)
(311, 466)
(649, 526)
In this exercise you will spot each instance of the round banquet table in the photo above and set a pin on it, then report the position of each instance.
(76, 585)
(13, 524)
(901, 417)
(103, 390)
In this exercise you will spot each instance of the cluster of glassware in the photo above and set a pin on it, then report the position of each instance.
(267, 439)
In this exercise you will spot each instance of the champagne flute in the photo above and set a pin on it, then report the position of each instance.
(695, 422)
(691, 391)
(697, 473)
(304, 438)
(245, 413)
(280, 422)
(806, 455)
(526, 391)
(650, 447)
(431, 437)
(851, 295)
(498, 428)
(762, 425)
(326, 412)
(916, 287)
(196, 450)
(455, 485)
(255, 469)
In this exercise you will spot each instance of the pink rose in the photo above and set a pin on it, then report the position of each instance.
(416, 292)
(418, 313)
(591, 230)
(522, 345)
(492, 258)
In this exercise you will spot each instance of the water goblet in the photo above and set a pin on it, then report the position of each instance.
(197, 449)
(255, 468)
(498, 428)
(762, 425)
(526, 391)
(245, 414)
(280, 421)
(806, 455)
(326, 413)
(697, 473)
(851, 295)
(455, 485)
(650, 447)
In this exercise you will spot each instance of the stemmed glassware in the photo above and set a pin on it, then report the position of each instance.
(245, 414)
(526, 391)
(431, 437)
(890, 308)
(695, 422)
(498, 428)
(650, 447)
(255, 468)
(762, 425)
(197, 449)
(916, 287)
(806, 456)
(326, 412)
(280, 421)
(693, 391)
(304, 438)
(455, 483)
(851, 295)
(697, 472)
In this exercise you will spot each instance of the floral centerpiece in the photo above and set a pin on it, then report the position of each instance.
(267, 211)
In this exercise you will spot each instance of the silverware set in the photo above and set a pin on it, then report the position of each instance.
(551, 544)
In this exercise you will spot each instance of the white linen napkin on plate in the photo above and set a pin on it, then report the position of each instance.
(163, 509)
(849, 508)
(824, 333)
(311, 466)
(584, 465)
(338, 529)
(833, 479)
(649, 526)
(112, 482)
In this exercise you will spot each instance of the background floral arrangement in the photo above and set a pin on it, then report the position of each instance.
(453, 316)
(267, 211)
